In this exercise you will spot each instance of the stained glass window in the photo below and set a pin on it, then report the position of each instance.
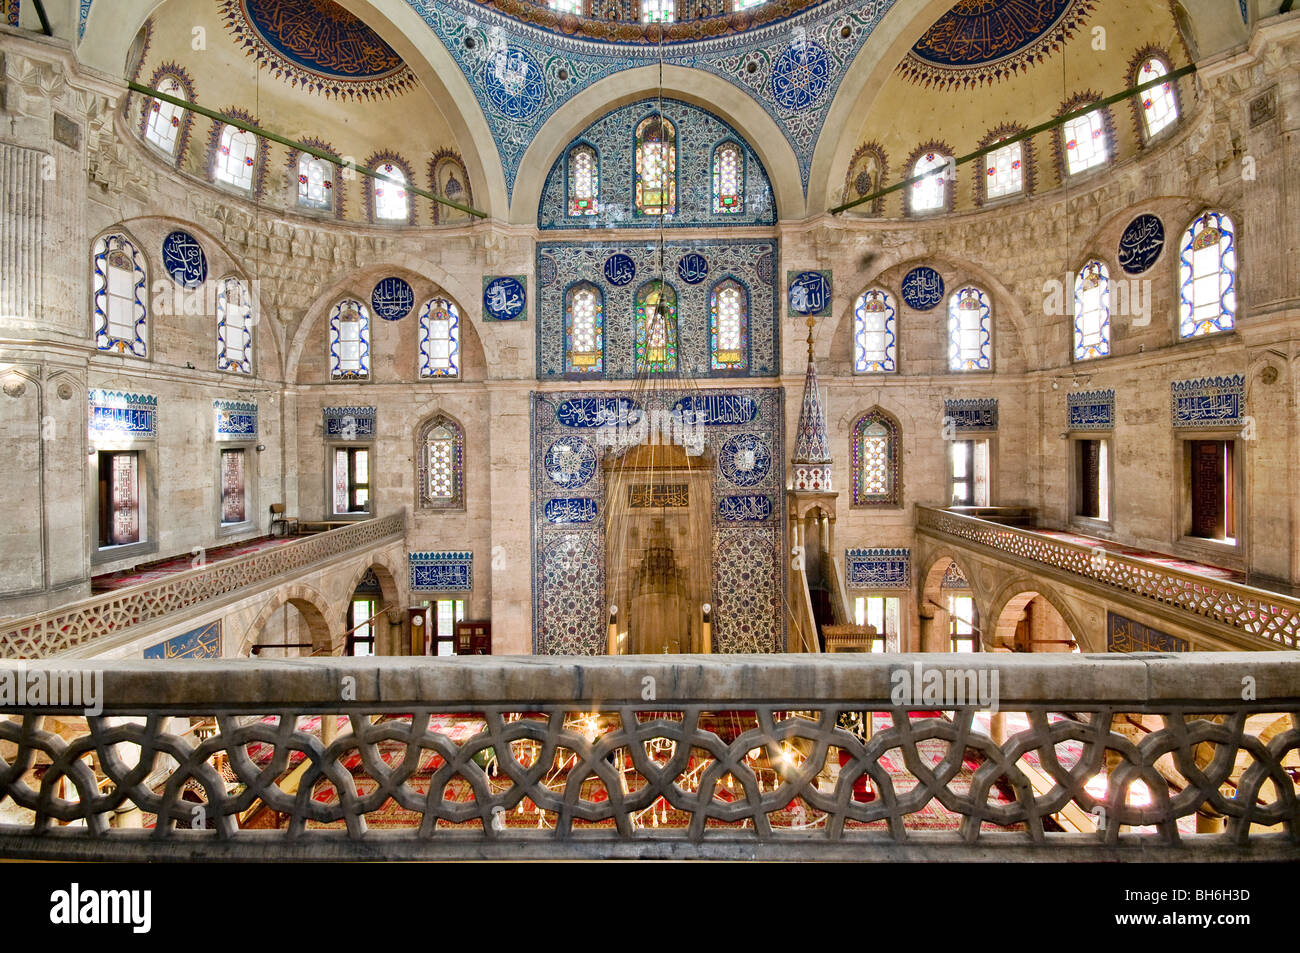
(315, 182)
(728, 179)
(119, 292)
(930, 192)
(746, 4)
(584, 181)
(1159, 107)
(656, 167)
(1092, 311)
(391, 201)
(235, 158)
(584, 322)
(566, 6)
(875, 334)
(1085, 142)
(1207, 276)
(657, 11)
(656, 328)
(349, 341)
(875, 460)
(441, 475)
(233, 509)
(729, 325)
(1005, 170)
(439, 339)
(164, 126)
(234, 327)
(970, 331)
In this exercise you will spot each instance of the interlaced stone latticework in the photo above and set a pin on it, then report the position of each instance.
(49, 633)
(706, 777)
(1270, 617)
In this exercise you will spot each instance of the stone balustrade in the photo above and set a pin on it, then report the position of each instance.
(48, 633)
(1097, 757)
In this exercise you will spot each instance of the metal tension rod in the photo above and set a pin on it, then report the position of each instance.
(300, 146)
(1028, 133)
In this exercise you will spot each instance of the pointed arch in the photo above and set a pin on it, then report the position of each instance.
(440, 463)
(876, 454)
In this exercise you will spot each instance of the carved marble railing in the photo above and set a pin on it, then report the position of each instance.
(1113, 758)
(1270, 617)
(48, 633)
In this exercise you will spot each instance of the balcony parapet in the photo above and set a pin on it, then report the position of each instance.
(580, 754)
(1269, 619)
(58, 630)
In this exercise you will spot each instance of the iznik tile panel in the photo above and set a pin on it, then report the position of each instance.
(1209, 401)
(1090, 410)
(613, 139)
(619, 270)
(878, 568)
(972, 415)
(118, 414)
(441, 571)
(350, 423)
(1127, 635)
(235, 419)
(741, 430)
(203, 642)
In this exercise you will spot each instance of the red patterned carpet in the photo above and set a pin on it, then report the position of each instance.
(162, 568)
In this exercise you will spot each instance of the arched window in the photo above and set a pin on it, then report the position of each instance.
(970, 331)
(1086, 145)
(1207, 276)
(234, 327)
(440, 472)
(584, 181)
(931, 192)
(315, 182)
(875, 454)
(584, 326)
(349, 341)
(392, 204)
(656, 167)
(119, 292)
(163, 125)
(728, 179)
(1159, 104)
(729, 325)
(875, 334)
(656, 328)
(1005, 170)
(236, 157)
(1092, 311)
(439, 339)
(657, 11)
(566, 6)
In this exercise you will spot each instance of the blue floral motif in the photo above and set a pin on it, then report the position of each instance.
(745, 459)
(922, 288)
(693, 268)
(619, 269)
(392, 299)
(570, 462)
(514, 83)
(184, 260)
(800, 75)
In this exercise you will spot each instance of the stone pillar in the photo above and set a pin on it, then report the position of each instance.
(928, 637)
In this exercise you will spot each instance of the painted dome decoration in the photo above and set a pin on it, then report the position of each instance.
(985, 41)
(318, 46)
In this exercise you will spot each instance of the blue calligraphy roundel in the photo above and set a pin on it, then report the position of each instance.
(922, 288)
(570, 462)
(800, 75)
(810, 293)
(693, 268)
(620, 269)
(514, 83)
(745, 459)
(184, 260)
(1141, 244)
(503, 298)
(392, 299)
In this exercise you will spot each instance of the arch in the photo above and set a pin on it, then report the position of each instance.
(315, 611)
(182, 120)
(388, 163)
(116, 249)
(932, 596)
(692, 86)
(112, 25)
(391, 602)
(1010, 601)
(890, 459)
(440, 459)
(443, 181)
(729, 325)
(1162, 104)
